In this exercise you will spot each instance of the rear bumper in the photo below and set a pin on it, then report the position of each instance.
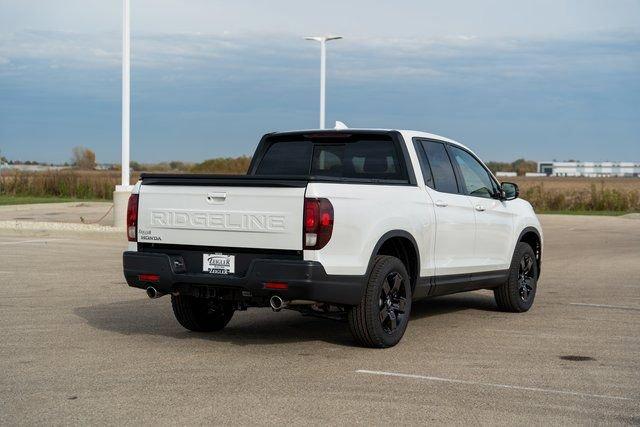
(307, 280)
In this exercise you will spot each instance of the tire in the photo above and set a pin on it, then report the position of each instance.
(201, 314)
(516, 295)
(381, 318)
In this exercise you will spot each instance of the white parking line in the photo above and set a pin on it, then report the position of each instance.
(554, 336)
(620, 307)
(507, 386)
(20, 242)
(23, 241)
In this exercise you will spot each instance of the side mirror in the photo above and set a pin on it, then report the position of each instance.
(509, 190)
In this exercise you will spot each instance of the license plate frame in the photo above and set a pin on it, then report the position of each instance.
(218, 263)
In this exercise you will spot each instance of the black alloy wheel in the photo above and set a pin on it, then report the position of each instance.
(526, 277)
(518, 291)
(382, 316)
(393, 299)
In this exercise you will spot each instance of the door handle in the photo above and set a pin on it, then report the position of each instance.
(480, 208)
(216, 197)
(441, 204)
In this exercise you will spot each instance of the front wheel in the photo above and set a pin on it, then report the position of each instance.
(201, 314)
(518, 292)
(381, 318)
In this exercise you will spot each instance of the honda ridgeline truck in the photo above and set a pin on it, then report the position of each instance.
(348, 224)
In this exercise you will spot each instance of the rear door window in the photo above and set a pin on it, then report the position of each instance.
(424, 164)
(444, 179)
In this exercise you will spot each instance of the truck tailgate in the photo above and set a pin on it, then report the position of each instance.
(222, 216)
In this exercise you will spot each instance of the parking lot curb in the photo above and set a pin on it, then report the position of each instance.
(58, 226)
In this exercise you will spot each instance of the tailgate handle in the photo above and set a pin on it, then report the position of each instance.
(216, 197)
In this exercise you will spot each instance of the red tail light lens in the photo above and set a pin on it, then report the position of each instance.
(132, 218)
(311, 215)
(318, 223)
(279, 286)
(149, 278)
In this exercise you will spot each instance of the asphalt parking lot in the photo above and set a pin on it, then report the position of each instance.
(78, 346)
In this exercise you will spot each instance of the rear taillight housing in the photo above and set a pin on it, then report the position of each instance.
(318, 223)
(132, 218)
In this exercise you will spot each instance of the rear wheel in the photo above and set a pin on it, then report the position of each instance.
(381, 318)
(519, 291)
(201, 314)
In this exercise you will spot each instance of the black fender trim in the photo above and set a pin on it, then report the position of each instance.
(417, 283)
(527, 230)
(537, 251)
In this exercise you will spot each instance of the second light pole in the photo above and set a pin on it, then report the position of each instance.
(323, 71)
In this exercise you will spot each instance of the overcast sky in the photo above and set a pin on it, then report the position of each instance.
(539, 79)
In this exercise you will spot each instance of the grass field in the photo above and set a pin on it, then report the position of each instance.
(591, 213)
(27, 200)
(580, 195)
(556, 183)
(67, 184)
(547, 195)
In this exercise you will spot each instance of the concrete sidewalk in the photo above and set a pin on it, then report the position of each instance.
(72, 212)
(71, 216)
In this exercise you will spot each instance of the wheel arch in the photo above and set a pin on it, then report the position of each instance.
(531, 236)
(401, 244)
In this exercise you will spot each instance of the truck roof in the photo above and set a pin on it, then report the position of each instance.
(406, 133)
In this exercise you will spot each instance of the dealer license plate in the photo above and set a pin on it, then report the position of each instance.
(218, 263)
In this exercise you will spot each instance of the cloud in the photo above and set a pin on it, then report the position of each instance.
(82, 50)
(365, 58)
(60, 88)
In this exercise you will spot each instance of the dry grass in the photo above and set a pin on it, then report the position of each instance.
(79, 184)
(545, 194)
(580, 194)
(64, 184)
(577, 183)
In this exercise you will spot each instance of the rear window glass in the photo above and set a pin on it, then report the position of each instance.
(286, 158)
(357, 160)
(364, 159)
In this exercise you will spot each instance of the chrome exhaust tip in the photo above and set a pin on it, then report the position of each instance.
(153, 293)
(276, 303)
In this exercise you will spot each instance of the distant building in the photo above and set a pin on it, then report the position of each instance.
(32, 168)
(590, 169)
(104, 166)
(535, 174)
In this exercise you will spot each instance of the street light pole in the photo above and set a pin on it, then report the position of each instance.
(323, 79)
(323, 71)
(126, 90)
(122, 191)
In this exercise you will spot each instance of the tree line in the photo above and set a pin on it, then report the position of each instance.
(85, 159)
(520, 166)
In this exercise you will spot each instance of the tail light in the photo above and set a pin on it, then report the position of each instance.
(279, 286)
(318, 223)
(149, 278)
(132, 218)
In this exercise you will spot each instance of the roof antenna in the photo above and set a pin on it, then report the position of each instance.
(339, 125)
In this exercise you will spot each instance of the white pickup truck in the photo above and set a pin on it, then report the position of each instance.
(348, 224)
